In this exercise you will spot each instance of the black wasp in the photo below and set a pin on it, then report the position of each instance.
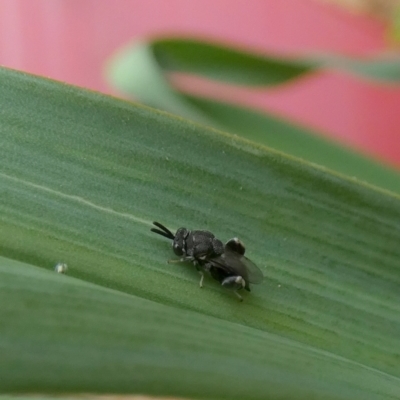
(225, 263)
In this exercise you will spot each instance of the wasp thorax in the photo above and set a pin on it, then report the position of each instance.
(179, 243)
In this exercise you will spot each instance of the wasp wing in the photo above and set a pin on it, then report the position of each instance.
(236, 264)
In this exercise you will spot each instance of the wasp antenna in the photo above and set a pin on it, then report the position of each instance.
(162, 233)
(162, 227)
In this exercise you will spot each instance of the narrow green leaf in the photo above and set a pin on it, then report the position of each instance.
(224, 63)
(228, 64)
(62, 334)
(83, 175)
(384, 69)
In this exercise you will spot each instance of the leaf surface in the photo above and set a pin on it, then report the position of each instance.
(82, 177)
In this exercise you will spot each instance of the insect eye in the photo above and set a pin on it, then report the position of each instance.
(178, 248)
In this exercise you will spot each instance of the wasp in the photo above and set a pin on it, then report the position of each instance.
(225, 263)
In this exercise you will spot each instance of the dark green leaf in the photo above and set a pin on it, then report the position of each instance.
(82, 177)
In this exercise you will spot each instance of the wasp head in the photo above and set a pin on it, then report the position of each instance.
(179, 243)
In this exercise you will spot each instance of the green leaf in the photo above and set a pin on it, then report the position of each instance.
(141, 71)
(83, 175)
(383, 69)
(277, 133)
(224, 63)
(241, 67)
(81, 337)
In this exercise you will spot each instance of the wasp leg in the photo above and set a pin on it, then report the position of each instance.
(179, 260)
(201, 279)
(238, 295)
(183, 259)
(234, 282)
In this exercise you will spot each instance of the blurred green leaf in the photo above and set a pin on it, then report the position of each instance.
(82, 177)
(227, 64)
(140, 71)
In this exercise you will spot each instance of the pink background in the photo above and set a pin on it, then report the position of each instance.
(70, 40)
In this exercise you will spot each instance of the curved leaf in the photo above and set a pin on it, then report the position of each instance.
(140, 71)
(227, 64)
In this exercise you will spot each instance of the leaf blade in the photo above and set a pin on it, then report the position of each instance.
(57, 317)
(83, 175)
